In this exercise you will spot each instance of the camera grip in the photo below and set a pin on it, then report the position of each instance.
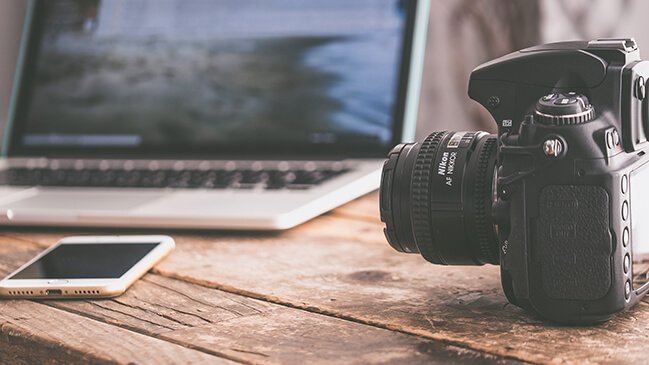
(572, 242)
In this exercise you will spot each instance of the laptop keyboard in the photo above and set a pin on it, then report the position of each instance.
(297, 179)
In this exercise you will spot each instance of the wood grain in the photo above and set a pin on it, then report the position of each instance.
(35, 333)
(31, 332)
(342, 266)
(247, 330)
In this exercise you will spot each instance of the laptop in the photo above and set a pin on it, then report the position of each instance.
(225, 114)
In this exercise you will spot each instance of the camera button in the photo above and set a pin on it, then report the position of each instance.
(627, 263)
(640, 88)
(616, 137)
(625, 210)
(609, 141)
(565, 101)
(625, 184)
(625, 236)
(627, 289)
(550, 97)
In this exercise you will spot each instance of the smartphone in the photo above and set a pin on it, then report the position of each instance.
(87, 267)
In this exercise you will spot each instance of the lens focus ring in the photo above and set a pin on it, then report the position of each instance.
(421, 190)
(436, 198)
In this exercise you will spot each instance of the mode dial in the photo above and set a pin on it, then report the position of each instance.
(566, 108)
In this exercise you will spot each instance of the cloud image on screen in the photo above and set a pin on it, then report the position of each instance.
(159, 72)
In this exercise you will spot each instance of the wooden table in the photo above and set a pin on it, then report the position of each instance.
(329, 291)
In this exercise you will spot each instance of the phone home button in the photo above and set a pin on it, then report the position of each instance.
(57, 282)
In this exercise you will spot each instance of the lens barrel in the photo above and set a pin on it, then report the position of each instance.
(436, 198)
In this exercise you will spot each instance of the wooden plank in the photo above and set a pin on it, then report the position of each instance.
(35, 333)
(344, 267)
(260, 332)
(248, 330)
(31, 332)
(340, 265)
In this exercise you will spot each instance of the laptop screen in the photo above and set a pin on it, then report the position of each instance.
(213, 77)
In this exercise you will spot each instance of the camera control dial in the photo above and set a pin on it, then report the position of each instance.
(564, 108)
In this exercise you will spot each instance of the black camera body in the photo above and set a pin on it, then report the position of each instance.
(556, 197)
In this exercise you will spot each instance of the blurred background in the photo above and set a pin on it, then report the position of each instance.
(461, 35)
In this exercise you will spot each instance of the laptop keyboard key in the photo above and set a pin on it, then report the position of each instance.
(181, 179)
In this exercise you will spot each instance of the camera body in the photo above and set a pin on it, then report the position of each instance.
(555, 198)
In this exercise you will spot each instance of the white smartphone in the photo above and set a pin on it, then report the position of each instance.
(87, 267)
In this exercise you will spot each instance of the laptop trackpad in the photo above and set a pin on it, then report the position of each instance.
(82, 201)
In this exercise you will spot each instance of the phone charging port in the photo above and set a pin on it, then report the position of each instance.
(53, 292)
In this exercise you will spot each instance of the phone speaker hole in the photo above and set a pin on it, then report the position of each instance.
(21, 292)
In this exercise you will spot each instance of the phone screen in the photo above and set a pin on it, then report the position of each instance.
(86, 261)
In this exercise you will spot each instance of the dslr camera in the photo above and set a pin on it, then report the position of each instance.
(556, 197)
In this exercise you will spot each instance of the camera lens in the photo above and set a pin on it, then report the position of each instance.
(436, 198)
